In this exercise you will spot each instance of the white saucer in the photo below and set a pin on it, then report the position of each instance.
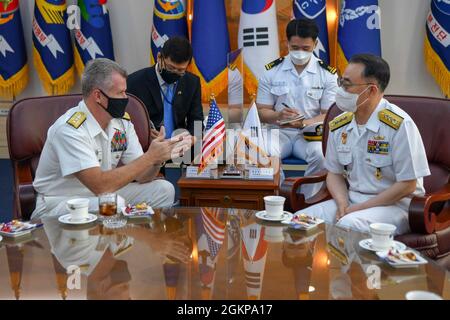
(67, 219)
(274, 239)
(422, 295)
(263, 216)
(367, 244)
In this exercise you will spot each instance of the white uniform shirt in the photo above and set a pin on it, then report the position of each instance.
(74, 247)
(68, 150)
(79, 248)
(314, 89)
(380, 156)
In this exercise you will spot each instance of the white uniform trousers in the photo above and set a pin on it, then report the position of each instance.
(360, 220)
(158, 194)
(293, 143)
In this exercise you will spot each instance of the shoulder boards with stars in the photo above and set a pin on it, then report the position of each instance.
(274, 63)
(122, 249)
(337, 253)
(126, 116)
(341, 121)
(330, 69)
(390, 118)
(77, 119)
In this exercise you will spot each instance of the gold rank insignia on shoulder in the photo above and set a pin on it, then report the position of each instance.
(330, 69)
(123, 249)
(341, 121)
(342, 257)
(126, 116)
(274, 63)
(77, 119)
(390, 118)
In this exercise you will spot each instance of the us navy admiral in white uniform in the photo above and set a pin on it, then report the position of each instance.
(375, 147)
(84, 146)
(297, 84)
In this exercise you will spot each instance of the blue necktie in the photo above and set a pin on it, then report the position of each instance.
(168, 114)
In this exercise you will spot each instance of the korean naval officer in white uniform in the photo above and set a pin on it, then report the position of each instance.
(376, 148)
(297, 84)
(84, 146)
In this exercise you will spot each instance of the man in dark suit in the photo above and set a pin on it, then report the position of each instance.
(171, 94)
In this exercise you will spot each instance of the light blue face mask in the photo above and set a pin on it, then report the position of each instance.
(347, 101)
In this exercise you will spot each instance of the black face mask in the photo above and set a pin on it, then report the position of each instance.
(168, 76)
(116, 106)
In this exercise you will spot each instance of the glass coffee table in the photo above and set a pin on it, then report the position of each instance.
(203, 253)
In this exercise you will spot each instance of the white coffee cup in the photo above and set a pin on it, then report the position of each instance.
(273, 234)
(274, 206)
(422, 295)
(382, 235)
(78, 208)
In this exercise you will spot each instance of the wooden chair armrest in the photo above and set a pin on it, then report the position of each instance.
(321, 196)
(26, 198)
(425, 214)
(296, 201)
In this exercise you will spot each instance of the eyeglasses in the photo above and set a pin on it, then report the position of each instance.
(347, 84)
(181, 72)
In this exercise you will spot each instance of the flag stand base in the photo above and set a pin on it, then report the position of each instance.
(232, 172)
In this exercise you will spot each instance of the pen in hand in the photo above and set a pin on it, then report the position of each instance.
(284, 104)
(289, 109)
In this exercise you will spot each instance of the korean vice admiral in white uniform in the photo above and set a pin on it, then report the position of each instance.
(374, 147)
(298, 84)
(84, 146)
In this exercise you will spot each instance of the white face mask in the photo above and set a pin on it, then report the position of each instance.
(300, 57)
(347, 101)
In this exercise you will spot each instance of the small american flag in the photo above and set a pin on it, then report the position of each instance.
(215, 229)
(214, 136)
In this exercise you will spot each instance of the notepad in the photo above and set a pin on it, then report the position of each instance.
(296, 118)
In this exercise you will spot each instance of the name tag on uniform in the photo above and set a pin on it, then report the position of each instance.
(378, 147)
(119, 141)
(314, 94)
(343, 149)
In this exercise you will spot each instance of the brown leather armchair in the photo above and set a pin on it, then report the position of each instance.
(27, 125)
(429, 216)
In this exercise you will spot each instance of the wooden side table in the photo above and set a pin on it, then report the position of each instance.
(226, 193)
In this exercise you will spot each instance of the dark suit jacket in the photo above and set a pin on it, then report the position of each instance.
(187, 106)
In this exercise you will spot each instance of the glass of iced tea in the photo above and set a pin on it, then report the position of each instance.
(107, 208)
(107, 204)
